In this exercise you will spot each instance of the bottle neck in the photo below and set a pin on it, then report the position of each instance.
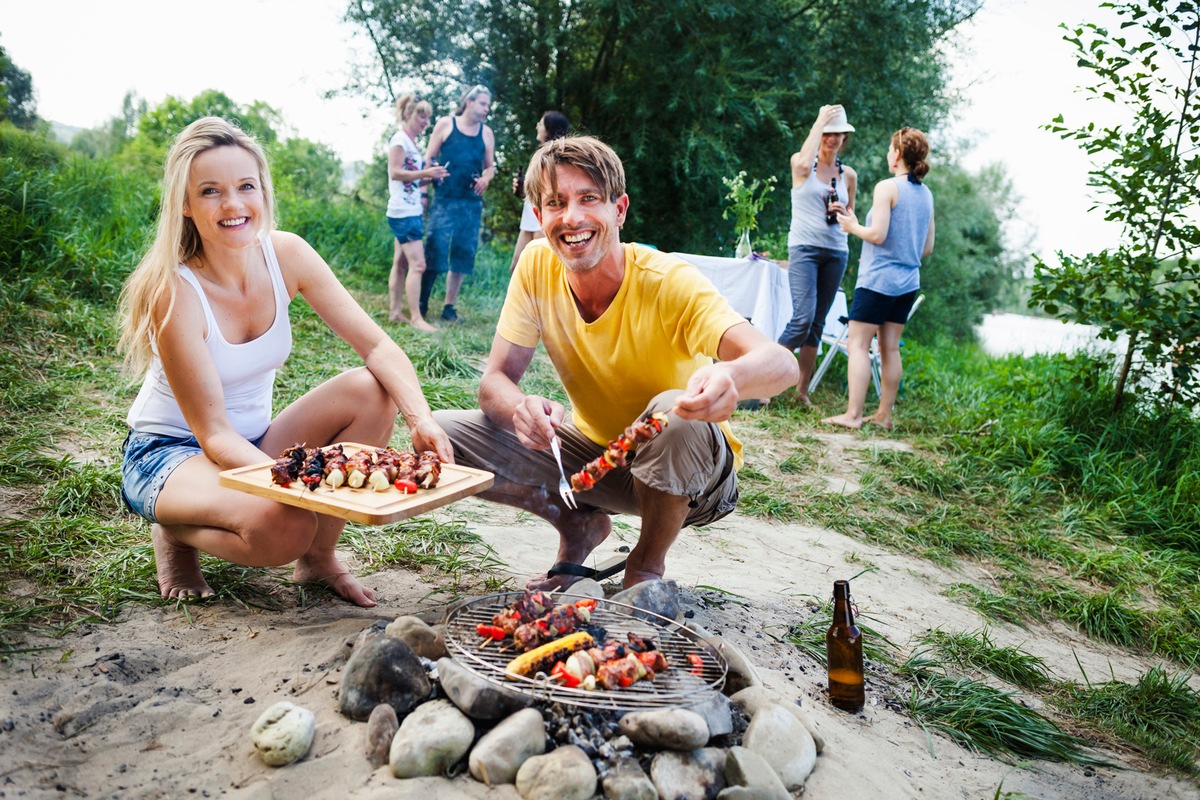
(842, 613)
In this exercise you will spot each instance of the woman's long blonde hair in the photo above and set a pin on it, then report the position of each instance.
(176, 240)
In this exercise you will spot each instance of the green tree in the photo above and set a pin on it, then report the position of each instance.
(1145, 176)
(17, 104)
(109, 139)
(159, 125)
(303, 168)
(687, 92)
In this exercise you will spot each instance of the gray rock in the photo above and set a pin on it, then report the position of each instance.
(431, 739)
(783, 741)
(626, 780)
(585, 587)
(283, 733)
(382, 670)
(381, 729)
(425, 641)
(658, 597)
(372, 631)
(501, 751)
(476, 697)
(665, 729)
(741, 673)
(746, 768)
(562, 774)
(715, 709)
(698, 775)
(751, 699)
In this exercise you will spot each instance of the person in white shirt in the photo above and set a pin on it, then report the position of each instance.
(407, 197)
(204, 315)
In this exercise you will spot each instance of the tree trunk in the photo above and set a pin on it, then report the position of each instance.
(1123, 375)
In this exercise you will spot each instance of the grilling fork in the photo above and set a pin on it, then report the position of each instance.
(564, 486)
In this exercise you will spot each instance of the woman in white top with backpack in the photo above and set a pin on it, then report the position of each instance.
(407, 177)
(205, 316)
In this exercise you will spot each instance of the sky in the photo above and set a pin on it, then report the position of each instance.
(83, 56)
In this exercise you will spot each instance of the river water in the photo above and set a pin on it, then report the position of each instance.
(1017, 334)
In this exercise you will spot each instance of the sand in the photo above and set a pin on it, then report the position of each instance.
(159, 705)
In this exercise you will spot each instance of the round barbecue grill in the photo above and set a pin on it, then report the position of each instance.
(682, 684)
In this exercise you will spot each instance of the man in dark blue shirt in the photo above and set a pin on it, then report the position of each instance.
(467, 148)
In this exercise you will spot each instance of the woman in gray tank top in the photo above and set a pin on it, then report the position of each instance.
(897, 235)
(817, 249)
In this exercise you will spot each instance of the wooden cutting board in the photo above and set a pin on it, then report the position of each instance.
(360, 505)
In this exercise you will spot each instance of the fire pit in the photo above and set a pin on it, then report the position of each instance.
(695, 667)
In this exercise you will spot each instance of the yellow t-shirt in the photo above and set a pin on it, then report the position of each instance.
(665, 322)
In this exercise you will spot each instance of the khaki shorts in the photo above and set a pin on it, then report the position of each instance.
(687, 458)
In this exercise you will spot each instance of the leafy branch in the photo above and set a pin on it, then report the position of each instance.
(1143, 173)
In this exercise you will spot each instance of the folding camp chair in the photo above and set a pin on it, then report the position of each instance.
(836, 337)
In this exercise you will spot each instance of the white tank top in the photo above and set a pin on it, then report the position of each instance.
(246, 371)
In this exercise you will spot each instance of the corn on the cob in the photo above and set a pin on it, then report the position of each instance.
(541, 659)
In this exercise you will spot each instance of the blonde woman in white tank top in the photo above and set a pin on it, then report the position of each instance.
(204, 316)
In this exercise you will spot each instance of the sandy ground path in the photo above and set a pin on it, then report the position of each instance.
(160, 704)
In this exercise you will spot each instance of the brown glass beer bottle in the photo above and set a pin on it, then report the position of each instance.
(843, 651)
(831, 197)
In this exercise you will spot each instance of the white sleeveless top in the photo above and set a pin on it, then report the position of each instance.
(246, 371)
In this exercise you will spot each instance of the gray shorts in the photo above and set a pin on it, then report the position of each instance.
(687, 458)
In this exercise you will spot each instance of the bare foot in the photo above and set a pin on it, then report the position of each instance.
(397, 318)
(587, 529)
(334, 574)
(635, 576)
(803, 398)
(423, 326)
(883, 422)
(845, 421)
(178, 567)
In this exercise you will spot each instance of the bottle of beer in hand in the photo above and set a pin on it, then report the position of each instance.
(831, 198)
(843, 651)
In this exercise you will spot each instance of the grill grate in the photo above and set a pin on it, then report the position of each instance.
(676, 686)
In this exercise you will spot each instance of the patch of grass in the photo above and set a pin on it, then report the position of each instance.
(1101, 615)
(448, 547)
(1159, 714)
(996, 607)
(767, 503)
(85, 490)
(983, 718)
(976, 650)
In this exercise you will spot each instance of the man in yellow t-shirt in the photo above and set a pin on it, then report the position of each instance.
(630, 331)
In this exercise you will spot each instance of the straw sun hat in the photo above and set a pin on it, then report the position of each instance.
(838, 124)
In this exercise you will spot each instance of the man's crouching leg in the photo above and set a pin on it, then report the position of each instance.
(528, 479)
(684, 476)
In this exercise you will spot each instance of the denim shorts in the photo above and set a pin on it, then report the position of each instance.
(407, 229)
(148, 460)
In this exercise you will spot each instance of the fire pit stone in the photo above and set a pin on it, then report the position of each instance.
(477, 697)
(500, 752)
(562, 774)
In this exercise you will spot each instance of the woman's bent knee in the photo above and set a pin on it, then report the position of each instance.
(280, 537)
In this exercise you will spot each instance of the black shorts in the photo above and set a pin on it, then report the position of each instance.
(874, 308)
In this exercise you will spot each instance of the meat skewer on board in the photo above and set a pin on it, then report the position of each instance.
(379, 469)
